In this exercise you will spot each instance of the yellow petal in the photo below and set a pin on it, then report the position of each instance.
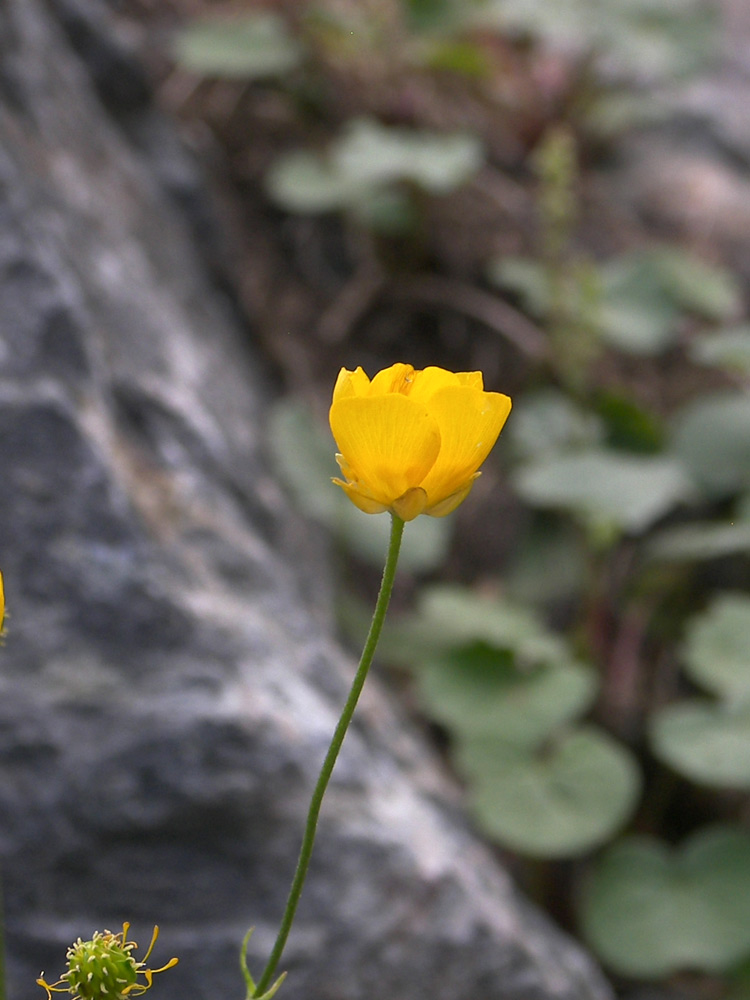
(389, 443)
(365, 503)
(397, 378)
(469, 421)
(427, 382)
(348, 383)
(450, 503)
(473, 379)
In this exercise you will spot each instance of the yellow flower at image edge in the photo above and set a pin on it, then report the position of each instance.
(105, 969)
(411, 442)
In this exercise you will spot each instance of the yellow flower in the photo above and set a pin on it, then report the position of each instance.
(411, 442)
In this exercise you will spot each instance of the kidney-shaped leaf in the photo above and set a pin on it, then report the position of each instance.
(379, 154)
(712, 438)
(649, 911)
(717, 647)
(706, 742)
(449, 617)
(559, 801)
(478, 691)
(304, 182)
(628, 491)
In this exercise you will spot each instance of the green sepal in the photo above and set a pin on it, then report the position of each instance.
(249, 981)
(269, 993)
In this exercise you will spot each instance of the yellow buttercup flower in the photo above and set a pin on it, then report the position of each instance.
(411, 442)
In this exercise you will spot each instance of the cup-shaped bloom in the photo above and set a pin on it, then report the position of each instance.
(411, 442)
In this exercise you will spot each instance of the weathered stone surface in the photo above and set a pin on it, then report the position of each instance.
(169, 681)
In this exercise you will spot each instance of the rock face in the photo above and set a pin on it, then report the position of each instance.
(169, 681)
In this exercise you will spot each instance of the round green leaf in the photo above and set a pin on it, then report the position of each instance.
(706, 742)
(609, 487)
(704, 289)
(712, 438)
(527, 278)
(378, 154)
(478, 691)
(449, 617)
(637, 315)
(309, 184)
(649, 911)
(250, 47)
(560, 801)
(717, 647)
(645, 292)
(548, 422)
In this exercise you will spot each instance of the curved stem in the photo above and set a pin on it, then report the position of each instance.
(381, 606)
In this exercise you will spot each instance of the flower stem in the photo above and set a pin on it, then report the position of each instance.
(376, 625)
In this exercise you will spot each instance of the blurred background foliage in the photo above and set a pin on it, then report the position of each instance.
(441, 182)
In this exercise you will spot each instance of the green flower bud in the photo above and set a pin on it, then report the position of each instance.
(105, 969)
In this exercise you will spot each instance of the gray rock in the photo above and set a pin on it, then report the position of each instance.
(169, 681)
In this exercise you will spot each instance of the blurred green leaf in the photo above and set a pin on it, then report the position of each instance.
(640, 297)
(649, 911)
(478, 690)
(706, 742)
(549, 563)
(628, 425)
(712, 438)
(527, 278)
(303, 453)
(646, 291)
(361, 169)
(696, 542)
(308, 183)
(658, 39)
(727, 349)
(606, 487)
(705, 290)
(249, 47)
(637, 315)
(548, 421)
(379, 154)
(560, 801)
(449, 617)
(717, 647)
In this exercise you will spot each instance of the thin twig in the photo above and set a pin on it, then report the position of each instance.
(482, 306)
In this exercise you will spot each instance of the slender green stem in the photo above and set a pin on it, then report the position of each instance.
(381, 606)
